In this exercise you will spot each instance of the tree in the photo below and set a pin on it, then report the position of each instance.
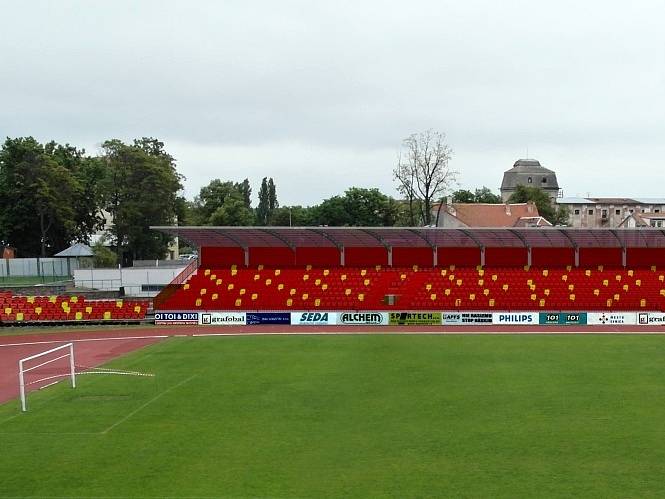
(233, 212)
(36, 194)
(358, 207)
(245, 189)
(297, 216)
(423, 172)
(103, 257)
(482, 195)
(267, 201)
(543, 202)
(132, 172)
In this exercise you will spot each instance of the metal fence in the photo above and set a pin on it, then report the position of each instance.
(26, 270)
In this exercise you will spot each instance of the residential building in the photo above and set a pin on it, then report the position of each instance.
(614, 212)
(454, 215)
(529, 173)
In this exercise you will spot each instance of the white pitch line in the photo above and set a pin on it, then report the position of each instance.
(82, 340)
(143, 406)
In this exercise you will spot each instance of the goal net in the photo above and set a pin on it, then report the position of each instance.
(44, 369)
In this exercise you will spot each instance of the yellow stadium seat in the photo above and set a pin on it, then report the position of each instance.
(402, 277)
(529, 282)
(377, 268)
(533, 297)
(616, 297)
(491, 302)
(289, 302)
(19, 316)
(230, 287)
(234, 267)
(107, 315)
(363, 273)
(254, 296)
(458, 302)
(638, 282)
(242, 291)
(343, 277)
(571, 287)
(596, 292)
(361, 297)
(432, 297)
(505, 287)
(214, 297)
(186, 286)
(53, 299)
(31, 299)
(564, 278)
(481, 272)
(280, 287)
(532, 287)
(326, 272)
(78, 316)
(608, 303)
(277, 272)
(443, 272)
(268, 282)
(661, 278)
(137, 309)
(292, 291)
(347, 291)
(218, 282)
(571, 297)
(653, 268)
(198, 302)
(452, 268)
(203, 291)
(643, 303)
(366, 282)
(308, 268)
(305, 296)
(317, 282)
(206, 272)
(625, 287)
(428, 287)
(317, 302)
(494, 277)
(606, 282)
(472, 297)
(38, 310)
(486, 292)
(617, 277)
(587, 273)
(451, 277)
(600, 268)
(305, 277)
(481, 282)
(260, 267)
(547, 292)
(526, 268)
(569, 268)
(541, 303)
(447, 292)
(458, 282)
(257, 277)
(630, 273)
(238, 302)
(234, 272)
(324, 287)
(545, 272)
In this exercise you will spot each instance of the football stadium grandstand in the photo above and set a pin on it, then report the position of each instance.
(44, 309)
(404, 269)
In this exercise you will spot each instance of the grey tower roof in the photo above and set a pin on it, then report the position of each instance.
(523, 169)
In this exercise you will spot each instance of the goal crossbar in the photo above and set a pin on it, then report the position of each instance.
(22, 370)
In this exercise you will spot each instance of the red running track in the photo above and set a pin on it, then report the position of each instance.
(93, 348)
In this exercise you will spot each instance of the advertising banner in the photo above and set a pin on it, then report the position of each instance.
(609, 318)
(313, 318)
(515, 318)
(466, 318)
(651, 318)
(563, 318)
(176, 318)
(363, 318)
(414, 318)
(268, 318)
(223, 318)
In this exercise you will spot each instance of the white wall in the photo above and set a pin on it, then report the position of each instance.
(130, 278)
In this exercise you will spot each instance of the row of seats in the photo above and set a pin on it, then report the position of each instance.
(416, 288)
(68, 308)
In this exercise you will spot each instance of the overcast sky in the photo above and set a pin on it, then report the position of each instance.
(320, 94)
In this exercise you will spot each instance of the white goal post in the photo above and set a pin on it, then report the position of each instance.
(22, 370)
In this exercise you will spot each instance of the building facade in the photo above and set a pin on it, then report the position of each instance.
(529, 173)
(614, 212)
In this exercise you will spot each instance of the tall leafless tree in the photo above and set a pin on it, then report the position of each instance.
(423, 172)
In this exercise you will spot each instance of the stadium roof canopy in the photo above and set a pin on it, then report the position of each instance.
(535, 237)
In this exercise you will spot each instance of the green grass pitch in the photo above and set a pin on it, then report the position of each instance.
(352, 416)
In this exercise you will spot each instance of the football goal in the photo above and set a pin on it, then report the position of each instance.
(46, 368)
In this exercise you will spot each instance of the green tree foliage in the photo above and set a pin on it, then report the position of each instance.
(482, 195)
(358, 207)
(267, 201)
(222, 199)
(141, 189)
(37, 215)
(103, 257)
(543, 202)
(296, 216)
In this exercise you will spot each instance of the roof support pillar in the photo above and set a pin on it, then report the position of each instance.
(390, 255)
(245, 250)
(528, 256)
(577, 256)
(342, 261)
(482, 256)
(435, 256)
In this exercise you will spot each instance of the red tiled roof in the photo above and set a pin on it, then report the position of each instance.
(492, 215)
